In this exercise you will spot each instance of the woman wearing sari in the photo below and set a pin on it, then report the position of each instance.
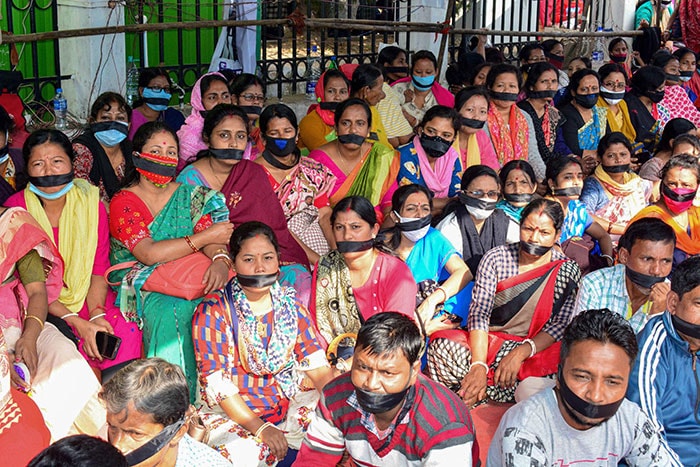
(358, 279)
(675, 100)
(255, 344)
(431, 159)
(71, 213)
(246, 188)
(614, 194)
(437, 268)
(620, 56)
(154, 221)
(523, 300)
(31, 270)
(647, 89)
(103, 152)
(511, 129)
(519, 187)
(366, 84)
(361, 168)
(474, 144)
(393, 62)
(11, 163)
(688, 73)
(248, 92)
(301, 184)
(540, 87)
(209, 91)
(473, 224)
(421, 90)
(585, 122)
(679, 185)
(613, 84)
(317, 126)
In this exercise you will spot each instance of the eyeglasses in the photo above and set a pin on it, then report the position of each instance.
(253, 97)
(480, 194)
(615, 86)
(159, 89)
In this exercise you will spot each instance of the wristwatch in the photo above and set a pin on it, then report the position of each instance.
(342, 365)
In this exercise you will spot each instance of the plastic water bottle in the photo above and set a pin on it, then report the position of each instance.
(132, 82)
(598, 55)
(60, 110)
(313, 72)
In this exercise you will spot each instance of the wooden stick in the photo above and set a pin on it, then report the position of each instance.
(443, 39)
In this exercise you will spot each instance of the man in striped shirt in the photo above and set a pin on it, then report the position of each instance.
(384, 412)
(665, 380)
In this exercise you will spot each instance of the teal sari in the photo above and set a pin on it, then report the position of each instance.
(166, 321)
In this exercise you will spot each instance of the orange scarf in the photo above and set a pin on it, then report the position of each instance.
(689, 244)
(509, 144)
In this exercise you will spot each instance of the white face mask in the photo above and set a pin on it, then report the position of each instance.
(480, 213)
(610, 100)
(412, 235)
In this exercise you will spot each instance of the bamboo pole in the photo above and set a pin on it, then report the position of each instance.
(373, 25)
(443, 39)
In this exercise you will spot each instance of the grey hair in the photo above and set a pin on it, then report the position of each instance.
(155, 387)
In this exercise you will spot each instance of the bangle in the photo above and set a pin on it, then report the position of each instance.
(444, 294)
(225, 258)
(610, 227)
(68, 315)
(191, 245)
(532, 345)
(93, 318)
(262, 428)
(612, 261)
(480, 364)
(39, 320)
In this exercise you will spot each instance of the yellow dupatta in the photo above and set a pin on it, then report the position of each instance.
(626, 128)
(77, 240)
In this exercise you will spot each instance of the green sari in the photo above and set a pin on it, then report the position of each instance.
(166, 321)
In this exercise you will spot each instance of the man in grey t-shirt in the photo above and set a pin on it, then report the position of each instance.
(585, 419)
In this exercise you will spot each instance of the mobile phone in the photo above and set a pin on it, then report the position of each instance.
(107, 344)
(453, 317)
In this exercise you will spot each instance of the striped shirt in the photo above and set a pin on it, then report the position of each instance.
(437, 430)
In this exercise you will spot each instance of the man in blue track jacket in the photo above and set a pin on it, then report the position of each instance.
(665, 380)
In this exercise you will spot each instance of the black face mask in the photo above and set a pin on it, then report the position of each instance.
(504, 96)
(280, 147)
(434, 146)
(351, 139)
(587, 101)
(572, 402)
(476, 202)
(152, 447)
(396, 70)
(669, 193)
(472, 123)
(379, 403)
(227, 154)
(328, 106)
(686, 74)
(353, 247)
(518, 197)
(160, 101)
(52, 180)
(541, 94)
(556, 60)
(568, 191)
(673, 78)
(655, 96)
(644, 281)
(414, 225)
(251, 109)
(257, 281)
(616, 169)
(204, 113)
(534, 249)
(686, 328)
(618, 58)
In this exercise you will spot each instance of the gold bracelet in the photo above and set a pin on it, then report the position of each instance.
(39, 320)
(191, 245)
(262, 428)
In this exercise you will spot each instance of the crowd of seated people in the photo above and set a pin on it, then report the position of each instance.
(247, 287)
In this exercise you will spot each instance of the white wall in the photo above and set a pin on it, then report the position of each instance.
(96, 63)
